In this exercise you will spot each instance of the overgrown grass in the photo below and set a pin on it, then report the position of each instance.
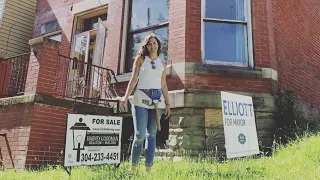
(297, 160)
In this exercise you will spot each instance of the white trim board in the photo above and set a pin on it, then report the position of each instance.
(88, 4)
(124, 36)
(3, 3)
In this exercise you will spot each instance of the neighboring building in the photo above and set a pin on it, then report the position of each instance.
(256, 48)
(16, 26)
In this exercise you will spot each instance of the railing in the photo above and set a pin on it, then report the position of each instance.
(13, 73)
(81, 80)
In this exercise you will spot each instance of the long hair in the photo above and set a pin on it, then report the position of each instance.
(143, 51)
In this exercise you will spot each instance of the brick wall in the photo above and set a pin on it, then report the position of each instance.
(193, 31)
(220, 83)
(35, 135)
(263, 34)
(47, 135)
(264, 50)
(42, 71)
(177, 19)
(114, 34)
(297, 47)
(15, 123)
(262, 22)
(32, 74)
(60, 10)
(184, 40)
(5, 69)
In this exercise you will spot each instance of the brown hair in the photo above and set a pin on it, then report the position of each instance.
(143, 51)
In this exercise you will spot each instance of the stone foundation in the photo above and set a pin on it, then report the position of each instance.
(196, 123)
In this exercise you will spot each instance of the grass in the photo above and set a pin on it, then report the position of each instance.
(299, 159)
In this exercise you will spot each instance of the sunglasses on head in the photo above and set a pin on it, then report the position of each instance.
(152, 65)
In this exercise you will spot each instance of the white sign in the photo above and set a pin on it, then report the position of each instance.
(239, 125)
(92, 140)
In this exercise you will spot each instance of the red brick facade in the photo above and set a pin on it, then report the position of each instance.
(15, 126)
(4, 76)
(275, 39)
(297, 46)
(41, 80)
(184, 39)
(46, 141)
(34, 134)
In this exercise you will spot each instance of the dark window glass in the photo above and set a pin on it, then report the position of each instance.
(146, 13)
(92, 23)
(49, 27)
(146, 17)
(136, 43)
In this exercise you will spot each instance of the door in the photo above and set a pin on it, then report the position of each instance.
(98, 73)
(77, 81)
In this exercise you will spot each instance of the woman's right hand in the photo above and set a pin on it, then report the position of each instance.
(123, 101)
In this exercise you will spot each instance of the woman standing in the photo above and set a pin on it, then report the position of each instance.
(150, 73)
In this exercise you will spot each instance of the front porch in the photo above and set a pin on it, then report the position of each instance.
(38, 89)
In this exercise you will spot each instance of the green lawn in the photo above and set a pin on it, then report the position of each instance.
(298, 160)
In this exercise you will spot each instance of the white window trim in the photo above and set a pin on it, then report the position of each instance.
(2, 12)
(124, 37)
(248, 34)
(83, 13)
(87, 5)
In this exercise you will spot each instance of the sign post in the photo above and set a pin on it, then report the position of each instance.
(92, 140)
(239, 125)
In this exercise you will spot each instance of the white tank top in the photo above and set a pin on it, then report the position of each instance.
(150, 78)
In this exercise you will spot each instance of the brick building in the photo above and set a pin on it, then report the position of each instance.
(256, 48)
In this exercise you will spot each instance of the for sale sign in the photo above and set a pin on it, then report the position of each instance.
(239, 125)
(92, 140)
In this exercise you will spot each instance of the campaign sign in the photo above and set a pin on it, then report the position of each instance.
(239, 125)
(92, 140)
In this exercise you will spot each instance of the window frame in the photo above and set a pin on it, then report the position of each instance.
(247, 34)
(125, 49)
(2, 12)
(78, 19)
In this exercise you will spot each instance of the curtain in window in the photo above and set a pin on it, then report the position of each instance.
(240, 40)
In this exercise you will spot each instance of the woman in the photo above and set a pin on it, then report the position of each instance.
(150, 70)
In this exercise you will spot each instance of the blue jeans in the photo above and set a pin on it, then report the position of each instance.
(145, 127)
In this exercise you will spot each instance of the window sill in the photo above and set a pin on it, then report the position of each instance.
(123, 77)
(209, 69)
(126, 76)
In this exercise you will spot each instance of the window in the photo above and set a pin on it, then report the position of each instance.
(87, 50)
(92, 23)
(49, 27)
(89, 38)
(226, 32)
(2, 5)
(56, 37)
(145, 17)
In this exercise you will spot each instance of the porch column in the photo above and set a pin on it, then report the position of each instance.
(42, 66)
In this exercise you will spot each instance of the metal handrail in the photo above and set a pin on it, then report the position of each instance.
(74, 59)
(76, 78)
(13, 75)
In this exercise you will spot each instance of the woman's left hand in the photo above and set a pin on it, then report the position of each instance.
(167, 111)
